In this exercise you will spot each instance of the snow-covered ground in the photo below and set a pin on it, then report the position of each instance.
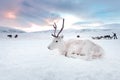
(27, 58)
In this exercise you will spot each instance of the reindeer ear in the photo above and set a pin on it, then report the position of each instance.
(62, 37)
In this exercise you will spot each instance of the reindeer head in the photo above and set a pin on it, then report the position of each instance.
(57, 39)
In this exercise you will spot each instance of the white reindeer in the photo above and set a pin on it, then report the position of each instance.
(85, 49)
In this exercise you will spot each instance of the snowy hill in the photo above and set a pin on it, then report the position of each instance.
(67, 31)
(10, 30)
(111, 26)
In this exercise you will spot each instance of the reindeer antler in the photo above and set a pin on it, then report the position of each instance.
(61, 29)
(55, 27)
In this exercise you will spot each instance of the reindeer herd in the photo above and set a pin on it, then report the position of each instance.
(114, 36)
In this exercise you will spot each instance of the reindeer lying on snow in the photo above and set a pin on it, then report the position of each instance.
(85, 49)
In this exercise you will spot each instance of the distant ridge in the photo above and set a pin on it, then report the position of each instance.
(111, 26)
(105, 27)
(73, 30)
(10, 30)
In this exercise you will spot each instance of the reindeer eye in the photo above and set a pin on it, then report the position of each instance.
(56, 41)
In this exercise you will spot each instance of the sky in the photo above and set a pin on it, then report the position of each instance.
(38, 15)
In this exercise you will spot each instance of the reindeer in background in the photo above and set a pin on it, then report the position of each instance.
(84, 49)
(10, 36)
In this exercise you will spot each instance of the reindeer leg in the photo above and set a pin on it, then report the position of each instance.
(88, 56)
(66, 54)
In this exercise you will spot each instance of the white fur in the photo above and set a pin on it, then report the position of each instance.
(84, 49)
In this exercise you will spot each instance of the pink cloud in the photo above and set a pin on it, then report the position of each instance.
(10, 15)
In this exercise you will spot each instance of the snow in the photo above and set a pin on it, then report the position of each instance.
(27, 58)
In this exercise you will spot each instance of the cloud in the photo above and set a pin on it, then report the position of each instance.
(86, 9)
(10, 15)
(44, 12)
